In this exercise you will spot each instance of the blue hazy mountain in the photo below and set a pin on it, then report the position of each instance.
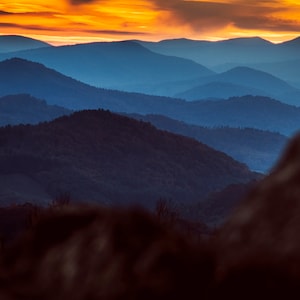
(238, 51)
(257, 148)
(221, 56)
(247, 111)
(20, 76)
(116, 65)
(218, 90)
(209, 53)
(131, 67)
(12, 43)
(25, 109)
(289, 70)
(242, 81)
(103, 157)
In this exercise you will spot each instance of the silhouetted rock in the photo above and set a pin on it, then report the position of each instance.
(259, 247)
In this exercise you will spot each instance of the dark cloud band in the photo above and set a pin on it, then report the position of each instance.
(244, 14)
(78, 2)
(2, 12)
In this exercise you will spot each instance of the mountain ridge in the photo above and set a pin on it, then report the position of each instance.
(244, 79)
(25, 109)
(90, 153)
(55, 88)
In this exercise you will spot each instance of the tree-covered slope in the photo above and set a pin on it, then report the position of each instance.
(103, 157)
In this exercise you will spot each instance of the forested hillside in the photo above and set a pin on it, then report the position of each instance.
(102, 157)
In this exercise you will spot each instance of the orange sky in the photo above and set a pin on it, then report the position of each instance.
(75, 21)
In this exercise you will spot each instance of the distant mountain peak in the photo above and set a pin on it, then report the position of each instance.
(20, 63)
(247, 41)
(242, 70)
(14, 43)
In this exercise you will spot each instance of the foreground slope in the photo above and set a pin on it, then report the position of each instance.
(258, 248)
(103, 157)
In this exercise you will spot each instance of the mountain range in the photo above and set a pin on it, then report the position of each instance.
(241, 81)
(18, 76)
(280, 59)
(115, 65)
(256, 148)
(24, 81)
(238, 50)
(135, 66)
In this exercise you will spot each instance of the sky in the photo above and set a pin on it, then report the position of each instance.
(77, 21)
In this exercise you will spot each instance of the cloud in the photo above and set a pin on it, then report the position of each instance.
(114, 32)
(2, 12)
(243, 14)
(28, 27)
(78, 2)
(270, 24)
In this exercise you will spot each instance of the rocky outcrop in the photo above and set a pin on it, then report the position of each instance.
(258, 249)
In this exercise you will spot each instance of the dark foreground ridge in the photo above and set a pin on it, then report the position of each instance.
(106, 158)
(95, 253)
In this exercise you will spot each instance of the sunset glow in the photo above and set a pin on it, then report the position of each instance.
(76, 21)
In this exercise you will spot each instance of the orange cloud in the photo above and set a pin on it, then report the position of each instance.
(87, 20)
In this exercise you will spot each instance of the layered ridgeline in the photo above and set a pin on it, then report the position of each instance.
(103, 157)
(130, 66)
(118, 65)
(21, 76)
(280, 60)
(241, 81)
(238, 50)
(257, 148)
(25, 109)
(13, 43)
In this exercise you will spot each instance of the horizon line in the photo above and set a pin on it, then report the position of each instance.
(101, 39)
